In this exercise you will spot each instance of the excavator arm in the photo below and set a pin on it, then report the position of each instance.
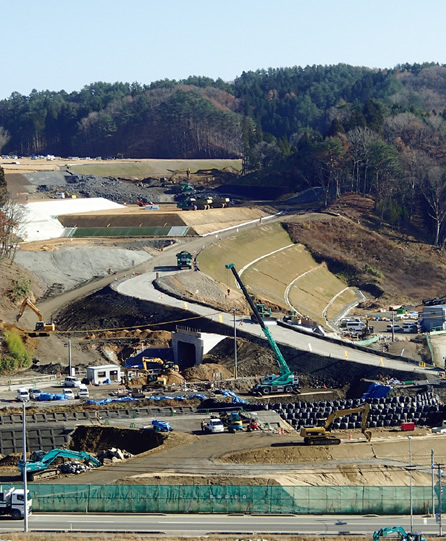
(364, 410)
(41, 327)
(389, 530)
(285, 371)
(26, 302)
(320, 435)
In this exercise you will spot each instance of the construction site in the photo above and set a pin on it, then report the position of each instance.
(194, 307)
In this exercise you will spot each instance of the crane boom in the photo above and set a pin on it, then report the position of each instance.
(286, 381)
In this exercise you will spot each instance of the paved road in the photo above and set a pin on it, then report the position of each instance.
(191, 525)
(141, 287)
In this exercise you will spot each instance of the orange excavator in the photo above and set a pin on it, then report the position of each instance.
(42, 328)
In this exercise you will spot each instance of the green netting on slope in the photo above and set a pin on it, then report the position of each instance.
(154, 231)
(229, 499)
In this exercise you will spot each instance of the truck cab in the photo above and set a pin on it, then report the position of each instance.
(12, 503)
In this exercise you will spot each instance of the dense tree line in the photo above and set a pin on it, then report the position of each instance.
(374, 132)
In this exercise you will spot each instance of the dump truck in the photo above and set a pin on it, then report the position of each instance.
(38, 466)
(321, 435)
(285, 382)
(184, 260)
(12, 503)
(41, 328)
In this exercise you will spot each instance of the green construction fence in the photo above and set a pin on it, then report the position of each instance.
(230, 499)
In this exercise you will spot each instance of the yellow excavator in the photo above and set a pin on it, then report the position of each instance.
(42, 328)
(150, 378)
(321, 435)
(147, 361)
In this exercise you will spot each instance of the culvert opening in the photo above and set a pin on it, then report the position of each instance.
(100, 438)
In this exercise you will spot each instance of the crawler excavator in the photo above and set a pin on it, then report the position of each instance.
(38, 466)
(42, 328)
(321, 435)
(401, 532)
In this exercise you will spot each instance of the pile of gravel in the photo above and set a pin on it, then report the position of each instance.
(73, 266)
(111, 188)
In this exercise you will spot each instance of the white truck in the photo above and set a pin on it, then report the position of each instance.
(12, 503)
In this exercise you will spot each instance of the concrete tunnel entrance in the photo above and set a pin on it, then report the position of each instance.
(189, 346)
(186, 355)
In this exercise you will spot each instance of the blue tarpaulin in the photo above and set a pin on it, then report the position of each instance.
(43, 397)
(235, 399)
(377, 390)
(109, 400)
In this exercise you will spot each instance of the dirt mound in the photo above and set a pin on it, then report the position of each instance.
(11, 277)
(198, 287)
(10, 460)
(253, 359)
(99, 438)
(207, 372)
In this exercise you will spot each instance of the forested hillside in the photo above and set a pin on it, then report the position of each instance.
(380, 133)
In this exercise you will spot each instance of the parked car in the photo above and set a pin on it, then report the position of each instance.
(82, 392)
(396, 328)
(68, 394)
(34, 394)
(71, 381)
(410, 328)
(22, 395)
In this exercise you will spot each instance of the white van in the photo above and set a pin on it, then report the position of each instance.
(22, 395)
(71, 381)
(355, 326)
(82, 392)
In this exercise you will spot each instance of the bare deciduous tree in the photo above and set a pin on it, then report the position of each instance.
(4, 137)
(12, 219)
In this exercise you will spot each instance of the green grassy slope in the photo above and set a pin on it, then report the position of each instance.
(273, 275)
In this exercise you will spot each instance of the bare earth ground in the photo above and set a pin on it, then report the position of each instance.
(266, 449)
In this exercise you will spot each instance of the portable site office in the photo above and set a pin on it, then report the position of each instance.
(109, 373)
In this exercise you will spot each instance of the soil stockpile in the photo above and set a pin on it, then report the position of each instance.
(200, 288)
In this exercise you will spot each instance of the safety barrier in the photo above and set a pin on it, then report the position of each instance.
(230, 499)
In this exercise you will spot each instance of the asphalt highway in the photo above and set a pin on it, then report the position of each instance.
(220, 524)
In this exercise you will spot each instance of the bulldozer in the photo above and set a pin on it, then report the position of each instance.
(321, 435)
(41, 328)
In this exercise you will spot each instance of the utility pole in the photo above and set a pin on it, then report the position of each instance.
(25, 480)
(69, 357)
(234, 310)
(433, 481)
(410, 477)
(440, 501)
